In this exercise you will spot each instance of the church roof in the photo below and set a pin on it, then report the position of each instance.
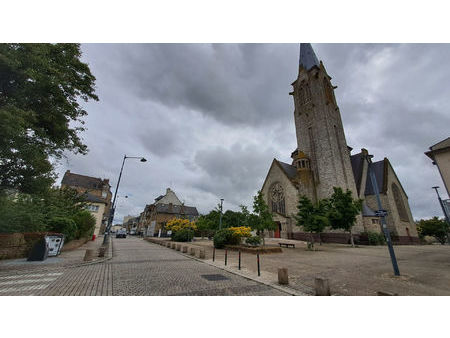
(378, 168)
(357, 162)
(290, 170)
(308, 58)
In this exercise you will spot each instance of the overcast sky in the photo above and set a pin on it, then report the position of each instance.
(210, 118)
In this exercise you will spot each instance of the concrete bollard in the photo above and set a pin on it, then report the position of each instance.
(322, 287)
(89, 255)
(283, 276)
(201, 253)
(192, 251)
(184, 249)
(173, 245)
(168, 244)
(178, 247)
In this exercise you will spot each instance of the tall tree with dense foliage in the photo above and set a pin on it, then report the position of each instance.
(312, 218)
(343, 211)
(435, 227)
(41, 86)
(261, 219)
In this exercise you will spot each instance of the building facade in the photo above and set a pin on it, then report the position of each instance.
(166, 207)
(440, 155)
(323, 160)
(98, 195)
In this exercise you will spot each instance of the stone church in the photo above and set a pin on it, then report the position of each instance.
(323, 160)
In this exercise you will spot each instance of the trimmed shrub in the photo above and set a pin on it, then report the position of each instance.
(225, 237)
(375, 238)
(253, 241)
(183, 235)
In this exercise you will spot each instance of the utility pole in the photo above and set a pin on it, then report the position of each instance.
(221, 209)
(113, 205)
(382, 213)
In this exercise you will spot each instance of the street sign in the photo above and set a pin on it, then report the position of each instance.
(381, 213)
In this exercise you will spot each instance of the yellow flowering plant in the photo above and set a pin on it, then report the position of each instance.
(241, 231)
(177, 224)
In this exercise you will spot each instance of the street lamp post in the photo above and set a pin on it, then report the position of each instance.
(382, 213)
(113, 205)
(220, 219)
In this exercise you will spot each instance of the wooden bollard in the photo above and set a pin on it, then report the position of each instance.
(201, 253)
(322, 287)
(283, 276)
(192, 251)
(184, 249)
(89, 255)
(178, 247)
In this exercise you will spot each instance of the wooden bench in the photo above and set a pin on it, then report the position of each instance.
(287, 245)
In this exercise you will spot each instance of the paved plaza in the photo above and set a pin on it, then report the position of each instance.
(137, 268)
(361, 271)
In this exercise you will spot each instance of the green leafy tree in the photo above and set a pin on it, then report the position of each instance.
(41, 87)
(435, 227)
(261, 219)
(343, 211)
(312, 218)
(85, 223)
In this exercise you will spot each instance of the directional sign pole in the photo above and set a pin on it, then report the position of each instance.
(383, 214)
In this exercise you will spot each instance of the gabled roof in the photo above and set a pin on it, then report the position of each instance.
(441, 145)
(308, 58)
(88, 182)
(357, 162)
(288, 169)
(176, 209)
(380, 172)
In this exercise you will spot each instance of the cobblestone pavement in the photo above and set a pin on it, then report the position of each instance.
(138, 268)
(142, 268)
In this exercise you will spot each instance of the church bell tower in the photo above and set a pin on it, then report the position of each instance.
(319, 129)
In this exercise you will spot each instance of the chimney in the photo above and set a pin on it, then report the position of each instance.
(167, 190)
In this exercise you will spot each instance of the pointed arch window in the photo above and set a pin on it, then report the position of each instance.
(277, 198)
(401, 209)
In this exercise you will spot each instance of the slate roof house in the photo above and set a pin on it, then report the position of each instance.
(323, 160)
(166, 207)
(98, 195)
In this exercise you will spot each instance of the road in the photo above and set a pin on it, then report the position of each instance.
(138, 268)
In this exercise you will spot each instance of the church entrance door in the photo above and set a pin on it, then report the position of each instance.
(277, 233)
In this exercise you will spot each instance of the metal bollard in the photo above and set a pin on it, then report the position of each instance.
(239, 260)
(226, 256)
(214, 253)
(257, 260)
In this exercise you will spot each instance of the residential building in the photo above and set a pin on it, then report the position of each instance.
(98, 195)
(440, 155)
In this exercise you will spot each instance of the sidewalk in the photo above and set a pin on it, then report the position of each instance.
(64, 260)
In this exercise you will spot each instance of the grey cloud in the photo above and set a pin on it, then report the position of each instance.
(210, 118)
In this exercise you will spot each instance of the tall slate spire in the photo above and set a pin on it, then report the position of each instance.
(308, 58)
